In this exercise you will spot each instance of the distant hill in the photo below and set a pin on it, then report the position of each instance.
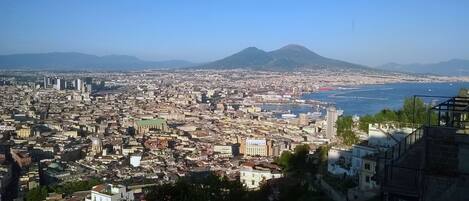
(288, 58)
(454, 67)
(80, 61)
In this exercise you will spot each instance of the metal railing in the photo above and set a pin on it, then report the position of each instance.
(399, 149)
(402, 179)
(453, 112)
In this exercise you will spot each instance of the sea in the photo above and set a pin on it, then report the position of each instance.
(370, 99)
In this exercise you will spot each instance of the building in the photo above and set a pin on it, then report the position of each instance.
(223, 150)
(255, 147)
(30, 179)
(96, 146)
(46, 82)
(71, 134)
(252, 176)
(135, 160)
(24, 132)
(110, 192)
(22, 158)
(339, 161)
(60, 84)
(366, 176)
(384, 136)
(146, 125)
(332, 116)
(358, 152)
(79, 85)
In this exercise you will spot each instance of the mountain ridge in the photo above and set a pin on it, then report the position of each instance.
(452, 67)
(82, 61)
(287, 58)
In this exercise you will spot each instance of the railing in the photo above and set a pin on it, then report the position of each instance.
(400, 148)
(453, 112)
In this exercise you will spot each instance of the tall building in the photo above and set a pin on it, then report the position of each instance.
(332, 115)
(45, 82)
(60, 84)
(79, 85)
(96, 146)
(88, 80)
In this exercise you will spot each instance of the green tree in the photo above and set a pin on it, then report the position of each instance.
(344, 130)
(364, 122)
(211, 187)
(71, 187)
(284, 160)
(37, 194)
(413, 111)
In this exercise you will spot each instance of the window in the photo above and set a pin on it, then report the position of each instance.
(367, 179)
(252, 182)
(367, 166)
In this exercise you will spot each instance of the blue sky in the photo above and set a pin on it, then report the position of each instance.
(365, 32)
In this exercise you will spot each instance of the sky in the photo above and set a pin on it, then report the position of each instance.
(365, 32)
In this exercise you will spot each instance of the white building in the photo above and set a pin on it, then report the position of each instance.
(339, 161)
(223, 150)
(72, 134)
(386, 135)
(79, 85)
(332, 116)
(256, 147)
(60, 85)
(367, 180)
(135, 160)
(359, 151)
(252, 177)
(110, 192)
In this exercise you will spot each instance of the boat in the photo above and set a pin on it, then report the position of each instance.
(288, 116)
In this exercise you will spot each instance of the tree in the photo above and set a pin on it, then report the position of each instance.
(37, 194)
(365, 121)
(297, 163)
(344, 130)
(211, 187)
(323, 152)
(413, 111)
(284, 160)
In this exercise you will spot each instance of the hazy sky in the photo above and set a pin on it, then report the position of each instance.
(365, 32)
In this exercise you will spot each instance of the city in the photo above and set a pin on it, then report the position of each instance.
(239, 123)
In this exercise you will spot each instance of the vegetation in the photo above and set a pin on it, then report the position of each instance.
(37, 194)
(71, 187)
(211, 187)
(298, 162)
(340, 183)
(288, 189)
(299, 169)
(345, 132)
(406, 116)
(40, 193)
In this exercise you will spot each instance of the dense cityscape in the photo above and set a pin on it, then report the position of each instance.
(234, 100)
(136, 130)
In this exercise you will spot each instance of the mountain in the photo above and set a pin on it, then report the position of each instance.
(454, 67)
(80, 61)
(288, 58)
